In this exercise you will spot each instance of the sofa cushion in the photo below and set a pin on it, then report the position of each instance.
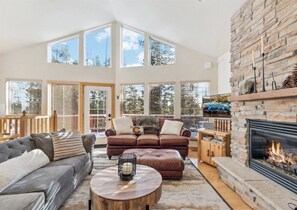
(67, 144)
(151, 130)
(172, 127)
(77, 162)
(44, 142)
(173, 140)
(129, 140)
(16, 168)
(148, 139)
(122, 125)
(26, 201)
(47, 179)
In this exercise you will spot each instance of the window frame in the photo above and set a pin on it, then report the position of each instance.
(7, 95)
(149, 97)
(84, 43)
(121, 46)
(192, 81)
(122, 96)
(164, 42)
(50, 44)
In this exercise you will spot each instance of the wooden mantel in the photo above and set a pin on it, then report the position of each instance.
(272, 94)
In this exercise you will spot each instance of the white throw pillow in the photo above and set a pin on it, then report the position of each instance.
(172, 127)
(122, 125)
(16, 168)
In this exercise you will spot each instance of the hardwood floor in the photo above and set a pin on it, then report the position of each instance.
(210, 173)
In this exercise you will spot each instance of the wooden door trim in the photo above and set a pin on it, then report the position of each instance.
(82, 96)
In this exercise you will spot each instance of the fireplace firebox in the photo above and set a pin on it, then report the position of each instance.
(273, 151)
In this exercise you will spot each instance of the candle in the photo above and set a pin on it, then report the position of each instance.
(262, 44)
(253, 57)
(127, 168)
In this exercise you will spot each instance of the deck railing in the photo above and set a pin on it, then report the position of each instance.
(24, 125)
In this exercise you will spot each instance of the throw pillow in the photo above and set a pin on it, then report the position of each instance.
(148, 121)
(67, 144)
(122, 125)
(16, 168)
(44, 142)
(137, 130)
(172, 127)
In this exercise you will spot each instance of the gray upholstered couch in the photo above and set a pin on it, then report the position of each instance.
(47, 187)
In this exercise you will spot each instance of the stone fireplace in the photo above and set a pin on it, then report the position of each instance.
(273, 151)
(276, 21)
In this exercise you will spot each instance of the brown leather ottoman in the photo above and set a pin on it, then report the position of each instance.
(168, 162)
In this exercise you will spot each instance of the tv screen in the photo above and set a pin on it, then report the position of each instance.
(216, 106)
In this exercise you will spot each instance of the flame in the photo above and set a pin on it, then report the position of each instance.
(277, 153)
(276, 148)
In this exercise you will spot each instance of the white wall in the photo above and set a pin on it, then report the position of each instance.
(224, 73)
(31, 63)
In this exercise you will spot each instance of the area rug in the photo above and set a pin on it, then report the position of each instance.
(193, 192)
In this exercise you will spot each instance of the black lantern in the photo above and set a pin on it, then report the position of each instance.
(127, 166)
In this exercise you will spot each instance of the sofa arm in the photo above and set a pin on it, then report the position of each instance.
(185, 132)
(110, 132)
(89, 142)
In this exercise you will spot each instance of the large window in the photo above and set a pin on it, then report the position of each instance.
(162, 99)
(64, 98)
(161, 53)
(24, 96)
(132, 48)
(191, 97)
(98, 47)
(65, 51)
(133, 99)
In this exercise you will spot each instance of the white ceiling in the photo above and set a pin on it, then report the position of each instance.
(200, 25)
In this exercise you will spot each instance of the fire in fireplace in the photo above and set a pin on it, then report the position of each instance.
(273, 151)
(282, 160)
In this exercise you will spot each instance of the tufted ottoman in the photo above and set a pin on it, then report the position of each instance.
(168, 162)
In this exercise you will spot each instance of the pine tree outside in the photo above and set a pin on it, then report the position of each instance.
(24, 95)
(162, 99)
(133, 99)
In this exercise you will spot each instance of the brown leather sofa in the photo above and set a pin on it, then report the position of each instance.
(117, 144)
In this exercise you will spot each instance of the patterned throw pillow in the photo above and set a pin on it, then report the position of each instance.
(67, 144)
(137, 130)
(148, 121)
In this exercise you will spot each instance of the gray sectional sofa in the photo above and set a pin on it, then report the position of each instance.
(47, 187)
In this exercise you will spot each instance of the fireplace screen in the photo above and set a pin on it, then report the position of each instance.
(273, 151)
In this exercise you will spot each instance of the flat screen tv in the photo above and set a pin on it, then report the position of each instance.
(216, 106)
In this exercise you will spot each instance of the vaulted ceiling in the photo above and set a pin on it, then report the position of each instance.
(200, 25)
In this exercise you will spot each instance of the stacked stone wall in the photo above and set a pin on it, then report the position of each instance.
(276, 21)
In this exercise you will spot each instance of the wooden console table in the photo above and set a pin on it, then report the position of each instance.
(108, 192)
(207, 149)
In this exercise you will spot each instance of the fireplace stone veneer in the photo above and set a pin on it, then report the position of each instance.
(276, 22)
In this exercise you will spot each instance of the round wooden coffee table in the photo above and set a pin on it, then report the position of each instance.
(108, 192)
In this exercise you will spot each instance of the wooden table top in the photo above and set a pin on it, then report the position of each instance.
(107, 184)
